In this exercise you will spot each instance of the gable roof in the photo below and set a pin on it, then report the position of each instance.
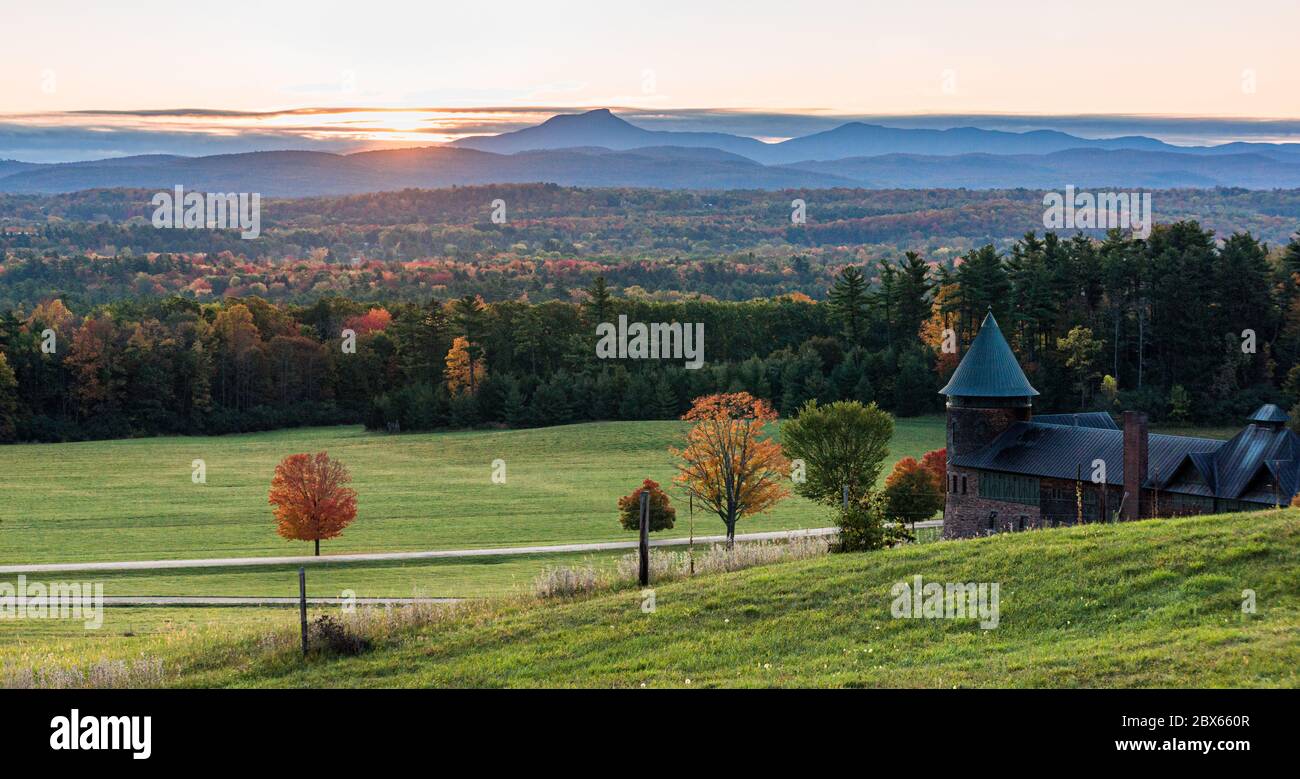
(1058, 451)
(1226, 468)
(989, 368)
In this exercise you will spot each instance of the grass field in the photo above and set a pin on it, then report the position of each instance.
(134, 499)
(1154, 603)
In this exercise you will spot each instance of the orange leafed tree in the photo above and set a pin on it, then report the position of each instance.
(914, 490)
(935, 462)
(729, 464)
(310, 499)
(376, 319)
(463, 374)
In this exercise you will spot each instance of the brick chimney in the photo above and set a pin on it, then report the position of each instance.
(1135, 462)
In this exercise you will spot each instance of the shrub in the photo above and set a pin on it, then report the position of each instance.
(864, 526)
(328, 634)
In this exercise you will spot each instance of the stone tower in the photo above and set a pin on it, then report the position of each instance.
(987, 394)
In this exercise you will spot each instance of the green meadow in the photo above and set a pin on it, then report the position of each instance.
(135, 499)
(1157, 603)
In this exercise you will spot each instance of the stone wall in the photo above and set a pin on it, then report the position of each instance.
(967, 514)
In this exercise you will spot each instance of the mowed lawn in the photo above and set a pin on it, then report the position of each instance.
(135, 500)
(1156, 603)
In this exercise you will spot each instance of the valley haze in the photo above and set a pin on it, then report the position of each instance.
(599, 149)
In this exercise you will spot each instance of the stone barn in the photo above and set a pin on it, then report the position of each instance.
(1010, 470)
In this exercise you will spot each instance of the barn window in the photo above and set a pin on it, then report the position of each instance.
(1009, 487)
(963, 485)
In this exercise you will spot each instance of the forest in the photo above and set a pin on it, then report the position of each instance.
(98, 246)
(1182, 325)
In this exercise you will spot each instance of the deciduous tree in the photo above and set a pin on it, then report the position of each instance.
(913, 491)
(662, 514)
(729, 464)
(842, 444)
(310, 499)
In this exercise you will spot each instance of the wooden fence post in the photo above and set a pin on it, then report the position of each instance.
(302, 606)
(645, 538)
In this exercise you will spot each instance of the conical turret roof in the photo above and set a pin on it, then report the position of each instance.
(989, 368)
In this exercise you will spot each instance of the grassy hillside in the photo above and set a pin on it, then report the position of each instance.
(1155, 603)
(134, 499)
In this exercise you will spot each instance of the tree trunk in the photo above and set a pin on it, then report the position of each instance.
(731, 534)
(318, 547)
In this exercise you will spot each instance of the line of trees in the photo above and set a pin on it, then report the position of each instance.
(1177, 324)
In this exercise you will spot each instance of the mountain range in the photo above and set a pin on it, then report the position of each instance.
(599, 149)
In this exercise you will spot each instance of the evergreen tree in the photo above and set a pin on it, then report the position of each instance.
(848, 302)
(912, 287)
(983, 285)
(516, 409)
(665, 400)
(600, 304)
(8, 401)
(469, 316)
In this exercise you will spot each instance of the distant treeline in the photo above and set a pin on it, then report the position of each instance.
(1174, 324)
(730, 245)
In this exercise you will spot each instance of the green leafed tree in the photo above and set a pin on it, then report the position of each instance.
(842, 443)
(1080, 350)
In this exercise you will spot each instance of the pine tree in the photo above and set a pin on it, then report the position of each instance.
(516, 410)
(469, 314)
(8, 401)
(912, 296)
(848, 301)
(665, 400)
(600, 304)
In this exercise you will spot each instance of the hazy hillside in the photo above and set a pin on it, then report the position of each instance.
(598, 149)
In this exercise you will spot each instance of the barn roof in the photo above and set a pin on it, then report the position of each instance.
(1097, 419)
(989, 368)
(1224, 469)
(1269, 412)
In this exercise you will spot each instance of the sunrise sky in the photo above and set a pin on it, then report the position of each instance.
(97, 76)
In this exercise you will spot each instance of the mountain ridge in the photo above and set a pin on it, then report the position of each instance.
(600, 149)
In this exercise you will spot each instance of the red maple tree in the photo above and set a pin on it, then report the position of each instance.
(310, 500)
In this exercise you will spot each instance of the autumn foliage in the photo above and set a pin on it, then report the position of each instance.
(376, 319)
(729, 464)
(463, 373)
(914, 491)
(662, 515)
(310, 499)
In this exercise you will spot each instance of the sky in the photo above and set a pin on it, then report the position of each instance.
(94, 78)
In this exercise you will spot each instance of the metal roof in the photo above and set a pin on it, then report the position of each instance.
(1057, 452)
(1226, 468)
(1269, 412)
(1097, 419)
(989, 368)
